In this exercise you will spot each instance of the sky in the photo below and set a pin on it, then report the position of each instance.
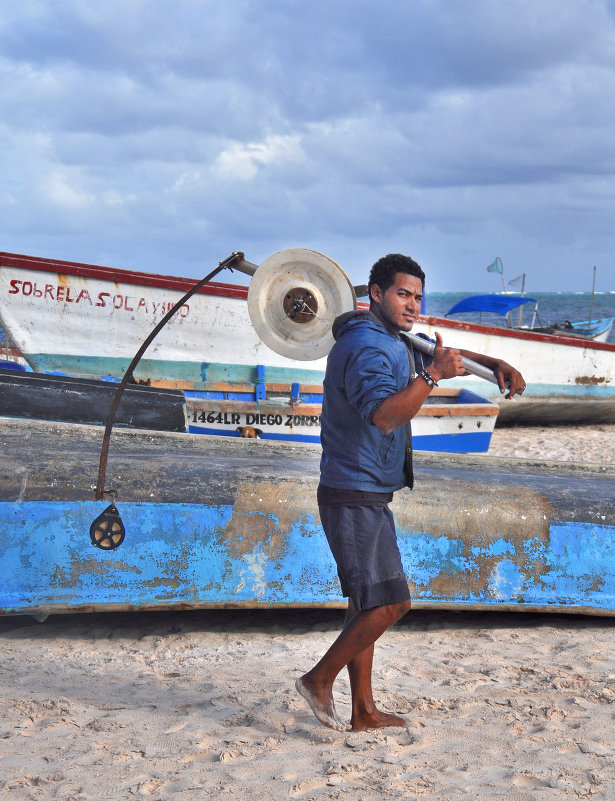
(162, 136)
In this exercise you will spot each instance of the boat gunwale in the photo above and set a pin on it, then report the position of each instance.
(42, 611)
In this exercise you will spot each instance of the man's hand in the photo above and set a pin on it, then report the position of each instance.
(508, 379)
(447, 362)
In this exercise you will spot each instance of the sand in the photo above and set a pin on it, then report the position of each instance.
(201, 704)
(565, 444)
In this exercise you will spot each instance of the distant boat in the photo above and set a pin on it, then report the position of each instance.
(596, 330)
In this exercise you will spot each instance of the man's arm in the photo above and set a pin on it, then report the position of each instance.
(398, 409)
(508, 378)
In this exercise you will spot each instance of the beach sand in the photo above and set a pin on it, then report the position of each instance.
(201, 704)
(566, 444)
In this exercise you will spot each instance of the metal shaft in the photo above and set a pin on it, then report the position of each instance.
(471, 366)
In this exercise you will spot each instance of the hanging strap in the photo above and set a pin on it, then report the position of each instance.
(408, 469)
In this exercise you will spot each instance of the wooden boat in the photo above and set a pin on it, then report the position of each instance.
(598, 330)
(86, 320)
(453, 420)
(215, 521)
(68, 399)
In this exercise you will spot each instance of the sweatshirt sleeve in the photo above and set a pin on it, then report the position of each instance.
(370, 377)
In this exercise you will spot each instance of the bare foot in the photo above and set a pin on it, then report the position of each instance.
(376, 720)
(321, 705)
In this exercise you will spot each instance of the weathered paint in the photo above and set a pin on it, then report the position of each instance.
(181, 554)
(175, 553)
(106, 314)
(217, 522)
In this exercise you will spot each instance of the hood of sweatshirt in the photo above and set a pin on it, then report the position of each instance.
(358, 316)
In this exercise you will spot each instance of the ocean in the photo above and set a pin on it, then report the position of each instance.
(553, 307)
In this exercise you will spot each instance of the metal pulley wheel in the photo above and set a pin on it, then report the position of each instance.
(293, 299)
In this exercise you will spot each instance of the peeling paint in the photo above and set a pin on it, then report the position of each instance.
(590, 380)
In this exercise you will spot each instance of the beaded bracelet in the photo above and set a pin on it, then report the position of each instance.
(428, 378)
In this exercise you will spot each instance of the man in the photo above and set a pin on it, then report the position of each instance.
(374, 385)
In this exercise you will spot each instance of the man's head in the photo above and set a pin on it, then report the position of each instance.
(384, 270)
(396, 285)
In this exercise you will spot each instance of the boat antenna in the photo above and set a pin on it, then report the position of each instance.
(591, 309)
(103, 528)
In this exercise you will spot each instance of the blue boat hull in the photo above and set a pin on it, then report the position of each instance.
(220, 522)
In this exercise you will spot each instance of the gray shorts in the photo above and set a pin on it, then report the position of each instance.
(364, 546)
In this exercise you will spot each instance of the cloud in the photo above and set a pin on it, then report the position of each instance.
(242, 162)
(151, 133)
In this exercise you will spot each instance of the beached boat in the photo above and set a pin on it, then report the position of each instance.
(597, 330)
(215, 522)
(86, 320)
(452, 420)
(68, 399)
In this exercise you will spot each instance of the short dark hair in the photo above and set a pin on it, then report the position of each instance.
(384, 270)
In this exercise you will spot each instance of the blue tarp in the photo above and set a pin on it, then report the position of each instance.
(501, 304)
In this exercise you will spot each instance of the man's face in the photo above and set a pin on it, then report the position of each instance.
(400, 305)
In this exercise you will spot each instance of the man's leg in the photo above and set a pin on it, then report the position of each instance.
(360, 632)
(364, 712)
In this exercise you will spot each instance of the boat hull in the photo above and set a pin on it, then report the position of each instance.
(213, 522)
(454, 421)
(82, 400)
(451, 421)
(597, 330)
(88, 320)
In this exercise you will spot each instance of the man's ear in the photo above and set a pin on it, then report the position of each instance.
(375, 293)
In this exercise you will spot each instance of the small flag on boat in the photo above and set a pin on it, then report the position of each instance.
(496, 267)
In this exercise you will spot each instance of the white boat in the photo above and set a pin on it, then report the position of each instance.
(451, 421)
(87, 320)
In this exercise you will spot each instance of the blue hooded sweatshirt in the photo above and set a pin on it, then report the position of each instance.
(366, 365)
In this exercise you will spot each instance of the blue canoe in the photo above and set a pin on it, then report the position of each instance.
(220, 522)
(597, 330)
